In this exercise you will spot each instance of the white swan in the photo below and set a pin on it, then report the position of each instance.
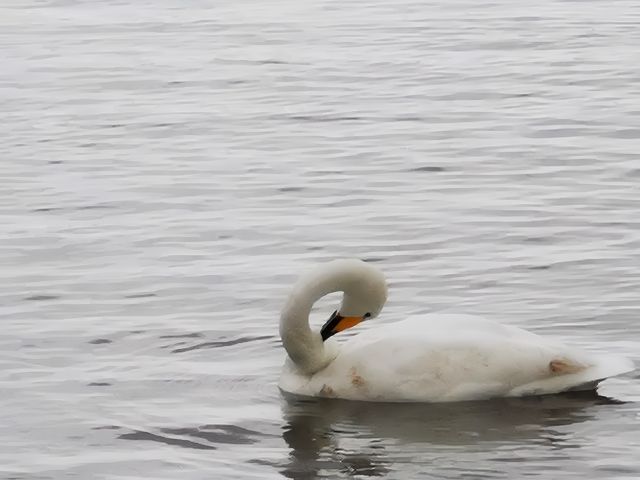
(432, 358)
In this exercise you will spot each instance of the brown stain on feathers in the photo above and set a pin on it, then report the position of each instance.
(327, 391)
(561, 366)
(356, 380)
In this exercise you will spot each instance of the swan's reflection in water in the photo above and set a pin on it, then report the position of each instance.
(329, 437)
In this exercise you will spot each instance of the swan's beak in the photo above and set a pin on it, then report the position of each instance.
(338, 323)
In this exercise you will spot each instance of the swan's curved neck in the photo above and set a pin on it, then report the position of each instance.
(304, 346)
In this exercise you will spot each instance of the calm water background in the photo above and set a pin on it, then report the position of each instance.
(168, 168)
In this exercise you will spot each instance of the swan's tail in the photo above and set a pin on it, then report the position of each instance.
(588, 378)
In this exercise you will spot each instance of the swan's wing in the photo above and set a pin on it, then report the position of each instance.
(456, 357)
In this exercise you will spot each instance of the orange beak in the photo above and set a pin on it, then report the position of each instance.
(338, 323)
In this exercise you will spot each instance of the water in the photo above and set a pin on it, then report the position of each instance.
(168, 168)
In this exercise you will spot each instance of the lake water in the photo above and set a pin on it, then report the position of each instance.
(168, 168)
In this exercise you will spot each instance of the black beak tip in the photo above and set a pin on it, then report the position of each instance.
(326, 334)
(328, 329)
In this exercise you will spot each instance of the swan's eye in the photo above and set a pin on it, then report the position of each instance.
(367, 315)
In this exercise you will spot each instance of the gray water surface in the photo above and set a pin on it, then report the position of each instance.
(168, 168)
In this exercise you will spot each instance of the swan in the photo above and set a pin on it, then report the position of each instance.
(427, 358)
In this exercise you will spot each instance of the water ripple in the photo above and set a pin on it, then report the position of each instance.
(169, 169)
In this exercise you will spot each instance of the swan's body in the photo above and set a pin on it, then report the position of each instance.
(432, 358)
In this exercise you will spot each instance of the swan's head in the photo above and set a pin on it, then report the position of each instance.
(364, 294)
